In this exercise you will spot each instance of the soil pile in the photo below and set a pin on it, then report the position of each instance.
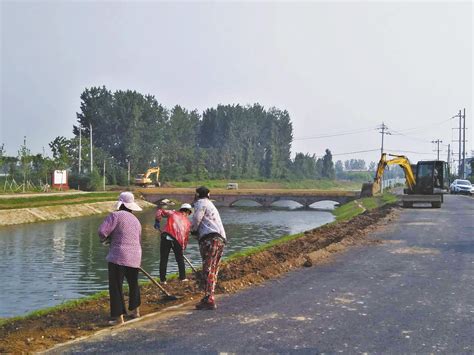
(314, 247)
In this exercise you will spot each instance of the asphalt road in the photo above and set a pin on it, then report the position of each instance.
(412, 294)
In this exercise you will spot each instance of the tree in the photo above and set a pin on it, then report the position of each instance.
(60, 148)
(339, 170)
(24, 156)
(328, 166)
(355, 164)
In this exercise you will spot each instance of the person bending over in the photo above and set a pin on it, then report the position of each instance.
(174, 236)
(121, 230)
(207, 226)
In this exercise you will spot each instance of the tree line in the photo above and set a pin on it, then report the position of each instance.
(133, 130)
(224, 142)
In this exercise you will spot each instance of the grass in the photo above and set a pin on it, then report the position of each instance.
(52, 200)
(60, 307)
(273, 184)
(259, 248)
(354, 208)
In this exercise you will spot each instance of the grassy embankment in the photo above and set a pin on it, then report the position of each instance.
(342, 213)
(53, 200)
(256, 184)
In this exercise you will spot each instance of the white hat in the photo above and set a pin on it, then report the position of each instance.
(128, 200)
(186, 206)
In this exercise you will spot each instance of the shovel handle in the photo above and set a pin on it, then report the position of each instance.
(154, 281)
(190, 264)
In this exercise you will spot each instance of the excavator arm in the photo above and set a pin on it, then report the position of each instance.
(145, 180)
(152, 171)
(369, 189)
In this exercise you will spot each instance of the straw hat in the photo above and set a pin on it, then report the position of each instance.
(128, 200)
(186, 207)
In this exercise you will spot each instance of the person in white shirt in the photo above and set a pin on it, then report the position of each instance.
(207, 226)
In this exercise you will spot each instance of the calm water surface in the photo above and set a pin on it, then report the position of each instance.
(45, 264)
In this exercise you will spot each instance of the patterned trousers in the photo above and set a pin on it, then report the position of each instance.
(211, 248)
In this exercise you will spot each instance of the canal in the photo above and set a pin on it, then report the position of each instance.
(45, 264)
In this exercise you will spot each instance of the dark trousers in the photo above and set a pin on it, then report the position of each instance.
(116, 275)
(165, 247)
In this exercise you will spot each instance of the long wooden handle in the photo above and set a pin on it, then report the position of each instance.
(189, 262)
(154, 281)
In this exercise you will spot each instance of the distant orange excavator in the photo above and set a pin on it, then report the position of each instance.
(426, 181)
(144, 180)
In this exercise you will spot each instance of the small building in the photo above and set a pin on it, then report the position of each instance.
(60, 180)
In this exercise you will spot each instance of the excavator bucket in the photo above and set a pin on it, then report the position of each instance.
(369, 189)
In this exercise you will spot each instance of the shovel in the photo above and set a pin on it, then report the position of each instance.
(168, 296)
(190, 264)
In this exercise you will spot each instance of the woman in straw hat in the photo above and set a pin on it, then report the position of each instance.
(122, 231)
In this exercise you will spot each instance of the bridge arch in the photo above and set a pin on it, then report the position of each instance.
(245, 202)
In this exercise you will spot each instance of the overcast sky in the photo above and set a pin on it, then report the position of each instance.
(339, 68)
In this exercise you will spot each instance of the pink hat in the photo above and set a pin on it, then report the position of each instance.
(128, 200)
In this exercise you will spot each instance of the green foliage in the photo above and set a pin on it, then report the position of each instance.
(355, 164)
(59, 146)
(50, 200)
(273, 184)
(129, 129)
(354, 208)
(24, 156)
(95, 182)
(328, 171)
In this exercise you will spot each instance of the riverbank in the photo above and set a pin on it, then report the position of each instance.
(43, 329)
(76, 208)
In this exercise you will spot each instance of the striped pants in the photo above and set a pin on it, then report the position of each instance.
(211, 248)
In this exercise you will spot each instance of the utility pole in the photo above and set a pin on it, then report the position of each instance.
(104, 174)
(464, 144)
(80, 149)
(460, 167)
(383, 129)
(437, 142)
(23, 162)
(449, 157)
(128, 171)
(92, 159)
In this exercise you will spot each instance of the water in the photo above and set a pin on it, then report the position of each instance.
(45, 264)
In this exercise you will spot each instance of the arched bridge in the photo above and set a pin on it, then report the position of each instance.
(266, 198)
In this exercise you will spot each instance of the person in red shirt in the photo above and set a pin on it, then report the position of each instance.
(175, 235)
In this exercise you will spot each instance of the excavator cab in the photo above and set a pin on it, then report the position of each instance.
(432, 177)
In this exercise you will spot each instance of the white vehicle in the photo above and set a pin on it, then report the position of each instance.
(461, 187)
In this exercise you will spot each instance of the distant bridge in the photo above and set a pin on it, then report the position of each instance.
(266, 198)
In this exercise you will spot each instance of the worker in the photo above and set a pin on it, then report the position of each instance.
(174, 236)
(121, 231)
(207, 226)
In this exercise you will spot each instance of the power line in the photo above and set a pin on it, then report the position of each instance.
(343, 133)
(356, 152)
(431, 125)
(406, 151)
(410, 137)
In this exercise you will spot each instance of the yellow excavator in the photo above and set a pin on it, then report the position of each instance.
(426, 181)
(144, 180)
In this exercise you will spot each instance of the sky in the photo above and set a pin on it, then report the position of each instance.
(340, 69)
